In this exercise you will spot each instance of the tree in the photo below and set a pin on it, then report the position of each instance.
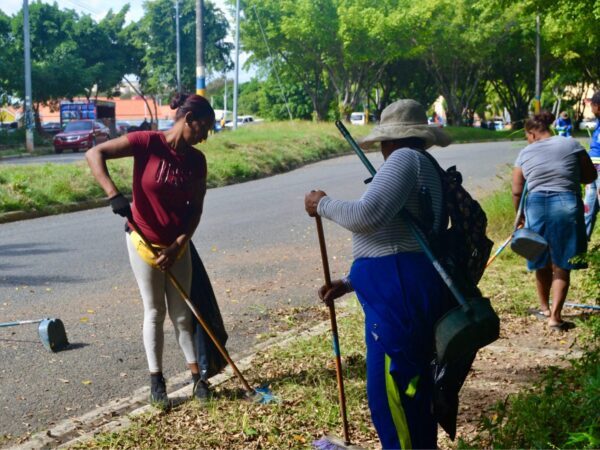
(8, 67)
(105, 50)
(70, 54)
(293, 43)
(570, 29)
(454, 43)
(404, 78)
(155, 36)
(56, 68)
(510, 68)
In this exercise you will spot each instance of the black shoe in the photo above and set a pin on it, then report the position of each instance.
(158, 392)
(201, 391)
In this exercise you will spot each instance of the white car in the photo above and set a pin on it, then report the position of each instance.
(359, 118)
(241, 121)
(588, 124)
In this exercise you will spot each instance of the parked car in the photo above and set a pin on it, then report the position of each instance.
(52, 127)
(165, 124)
(588, 124)
(8, 127)
(241, 121)
(122, 127)
(499, 125)
(359, 118)
(81, 134)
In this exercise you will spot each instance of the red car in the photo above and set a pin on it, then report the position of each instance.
(81, 134)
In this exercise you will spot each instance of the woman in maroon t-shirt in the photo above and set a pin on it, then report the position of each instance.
(169, 184)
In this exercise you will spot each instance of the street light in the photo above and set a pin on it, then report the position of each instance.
(28, 112)
(538, 82)
(200, 73)
(178, 47)
(237, 64)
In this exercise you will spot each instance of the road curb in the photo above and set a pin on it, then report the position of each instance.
(15, 216)
(117, 414)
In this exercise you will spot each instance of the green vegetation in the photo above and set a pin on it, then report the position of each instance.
(560, 411)
(478, 54)
(249, 153)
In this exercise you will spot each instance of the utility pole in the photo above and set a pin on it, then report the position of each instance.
(200, 77)
(28, 112)
(538, 82)
(237, 64)
(178, 46)
(225, 100)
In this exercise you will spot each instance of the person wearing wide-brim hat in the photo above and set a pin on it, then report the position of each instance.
(401, 293)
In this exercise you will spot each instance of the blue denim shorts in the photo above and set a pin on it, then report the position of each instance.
(558, 217)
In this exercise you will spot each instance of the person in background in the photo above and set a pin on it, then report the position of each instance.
(563, 125)
(554, 168)
(401, 293)
(592, 190)
(169, 185)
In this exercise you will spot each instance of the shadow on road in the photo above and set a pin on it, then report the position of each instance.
(29, 281)
(28, 249)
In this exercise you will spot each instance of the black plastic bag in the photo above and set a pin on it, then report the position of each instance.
(448, 379)
(210, 360)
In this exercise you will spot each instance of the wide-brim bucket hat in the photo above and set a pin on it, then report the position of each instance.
(406, 119)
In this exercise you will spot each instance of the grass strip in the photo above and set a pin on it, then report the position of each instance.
(249, 153)
(303, 376)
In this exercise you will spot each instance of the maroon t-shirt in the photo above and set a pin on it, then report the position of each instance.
(165, 184)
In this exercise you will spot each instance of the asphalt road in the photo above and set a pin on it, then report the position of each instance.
(259, 247)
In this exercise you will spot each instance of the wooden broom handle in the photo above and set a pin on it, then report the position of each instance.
(334, 332)
(187, 300)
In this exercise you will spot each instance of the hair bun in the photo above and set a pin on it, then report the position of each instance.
(546, 117)
(178, 100)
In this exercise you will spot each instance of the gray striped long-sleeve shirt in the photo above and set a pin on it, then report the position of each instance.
(375, 220)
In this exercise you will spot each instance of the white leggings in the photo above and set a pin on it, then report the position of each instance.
(154, 287)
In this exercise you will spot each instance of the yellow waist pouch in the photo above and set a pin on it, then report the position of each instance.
(144, 251)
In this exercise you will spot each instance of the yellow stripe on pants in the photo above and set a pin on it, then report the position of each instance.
(396, 409)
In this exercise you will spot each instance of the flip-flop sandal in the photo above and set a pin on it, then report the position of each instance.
(538, 313)
(563, 326)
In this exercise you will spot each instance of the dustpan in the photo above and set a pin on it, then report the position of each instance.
(528, 244)
(525, 242)
(465, 329)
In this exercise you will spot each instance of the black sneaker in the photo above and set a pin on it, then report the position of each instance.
(201, 391)
(158, 392)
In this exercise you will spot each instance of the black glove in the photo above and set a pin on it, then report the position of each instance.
(120, 205)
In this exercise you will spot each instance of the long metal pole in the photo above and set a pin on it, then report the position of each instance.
(178, 46)
(237, 64)
(225, 100)
(538, 83)
(28, 112)
(200, 73)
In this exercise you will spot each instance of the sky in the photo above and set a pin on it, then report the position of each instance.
(98, 9)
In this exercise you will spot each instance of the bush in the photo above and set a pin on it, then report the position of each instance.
(560, 412)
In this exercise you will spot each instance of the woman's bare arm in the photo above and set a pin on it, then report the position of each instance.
(518, 184)
(97, 156)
